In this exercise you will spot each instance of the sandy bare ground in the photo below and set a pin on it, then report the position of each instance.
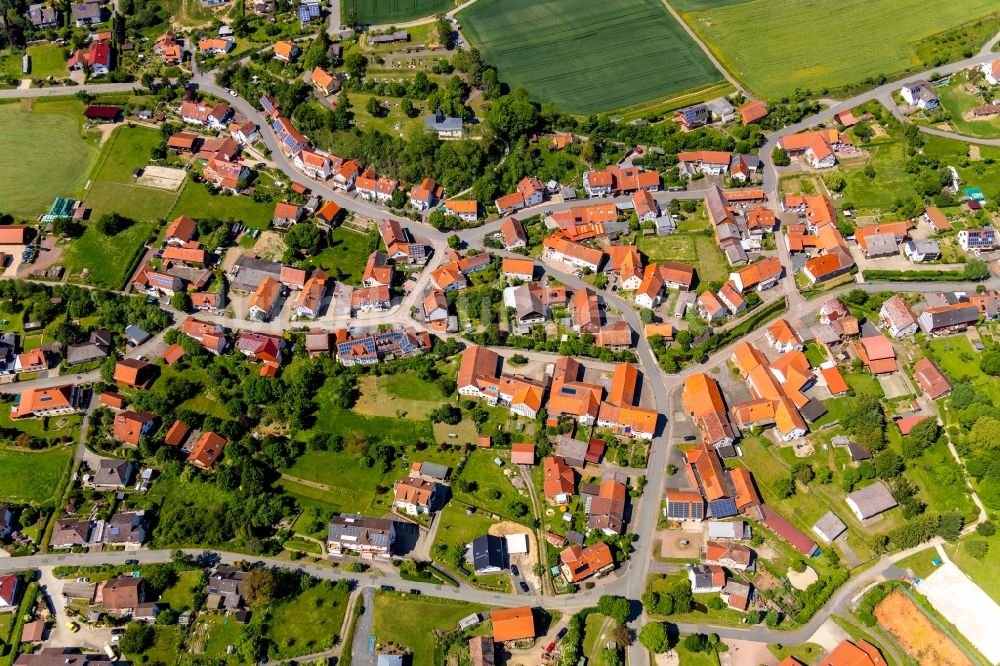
(965, 605)
(917, 634)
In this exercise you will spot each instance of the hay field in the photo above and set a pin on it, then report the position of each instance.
(776, 46)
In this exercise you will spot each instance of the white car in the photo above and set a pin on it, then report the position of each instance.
(83, 580)
(233, 93)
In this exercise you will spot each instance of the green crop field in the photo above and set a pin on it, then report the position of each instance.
(53, 156)
(776, 46)
(587, 57)
(379, 12)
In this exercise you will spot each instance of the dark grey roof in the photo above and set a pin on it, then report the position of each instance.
(829, 526)
(362, 530)
(702, 576)
(251, 271)
(880, 245)
(126, 528)
(930, 321)
(872, 500)
(489, 552)
(136, 334)
(112, 472)
(434, 470)
(923, 246)
(813, 410)
(858, 452)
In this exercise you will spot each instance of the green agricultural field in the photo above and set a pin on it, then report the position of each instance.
(197, 202)
(379, 12)
(416, 621)
(776, 46)
(587, 57)
(33, 476)
(37, 176)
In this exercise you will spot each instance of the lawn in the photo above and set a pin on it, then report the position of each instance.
(921, 563)
(459, 528)
(166, 647)
(346, 255)
(113, 188)
(221, 632)
(48, 60)
(400, 395)
(891, 182)
(307, 622)
(173, 496)
(391, 119)
(804, 652)
(349, 486)
(391, 11)
(33, 476)
(36, 177)
(197, 202)
(802, 51)
(109, 258)
(42, 428)
(688, 658)
(415, 622)
(701, 613)
(596, 634)
(490, 480)
(696, 249)
(562, 51)
(180, 595)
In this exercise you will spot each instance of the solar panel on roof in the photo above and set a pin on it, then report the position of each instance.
(723, 508)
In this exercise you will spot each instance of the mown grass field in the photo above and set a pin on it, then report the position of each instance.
(697, 250)
(47, 60)
(587, 57)
(33, 476)
(47, 138)
(197, 202)
(958, 101)
(412, 621)
(776, 46)
(390, 11)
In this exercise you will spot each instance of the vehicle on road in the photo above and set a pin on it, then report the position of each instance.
(514, 570)
(415, 591)
(83, 580)
(73, 627)
(562, 632)
(132, 562)
(550, 647)
(387, 588)
(523, 586)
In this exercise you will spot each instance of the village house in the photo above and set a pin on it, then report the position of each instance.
(587, 222)
(870, 501)
(703, 401)
(948, 318)
(578, 563)
(130, 427)
(816, 147)
(368, 536)
(558, 248)
(263, 303)
(417, 496)
(513, 624)
(425, 195)
(207, 450)
(512, 234)
(466, 210)
(620, 179)
(285, 51)
(113, 474)
(529, 192)
(560, 481)
(980, 238)
(919, 94)
(708, 162)
(897, 317)
(758, 276)
(38, 403)
(446, 127)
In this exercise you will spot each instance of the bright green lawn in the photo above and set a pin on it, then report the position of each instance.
(197, 202)
(33, 476)
(688, 658)
(891, 182)
(308, 622)
(391, 11)
(48, 60)
(108, 257)
(180, 595)
(587, 56)
(348, 254)
(165, 649)
(36, 427)
(956, 101)
(920, 563)
(30, 182)
(412, 621)
(696, 249)
(222, 632)
(794, 45)
(458, 528)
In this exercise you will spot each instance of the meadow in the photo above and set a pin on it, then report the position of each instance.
(588, 57)
(806, 44)
(27, 127)
(198, 202)
(390, 11)
(33, 476)
(416, 621)
(47, 60)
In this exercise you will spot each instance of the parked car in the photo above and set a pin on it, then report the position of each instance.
(83, 580)
(562, 632)
(551, 646)
(523, 586)
(415, 592)
(73, 627)
(514, 570)
(387, 588)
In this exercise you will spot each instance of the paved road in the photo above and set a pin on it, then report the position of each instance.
(363, 629)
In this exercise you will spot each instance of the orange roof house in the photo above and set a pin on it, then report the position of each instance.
(579, 563)
(323, 80)
(131, 426)
(181, 230)
(285, 50)
(513, 624)
(746, 492)
(559, 480)
(46, 401)
(703, 400)
(704, 465)
(877, 354)
(834, 381)
(207, 450)
(570, 396)
(176, 434)
(519, 268)
(522, 453)
(847, 653)
(752, 112)
(931, 379)
(134, 373)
